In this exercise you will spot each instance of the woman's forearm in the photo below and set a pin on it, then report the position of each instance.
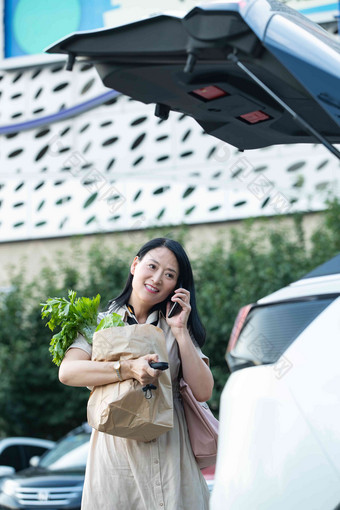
(195, 371)
(85, 372)
(77, 369)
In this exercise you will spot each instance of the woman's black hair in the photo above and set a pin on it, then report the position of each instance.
(185, 279)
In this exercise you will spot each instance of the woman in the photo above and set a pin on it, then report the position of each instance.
(162, 474)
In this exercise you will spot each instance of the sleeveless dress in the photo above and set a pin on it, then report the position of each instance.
(162, 474)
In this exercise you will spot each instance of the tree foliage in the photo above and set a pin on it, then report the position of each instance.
(261, 259)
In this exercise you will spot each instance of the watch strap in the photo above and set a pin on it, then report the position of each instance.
(116, 366)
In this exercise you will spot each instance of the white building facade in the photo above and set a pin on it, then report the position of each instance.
(77, 158)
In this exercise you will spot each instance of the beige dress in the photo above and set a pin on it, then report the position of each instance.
(124, 474)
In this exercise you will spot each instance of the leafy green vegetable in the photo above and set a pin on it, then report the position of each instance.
(74, 316)
(110, 321)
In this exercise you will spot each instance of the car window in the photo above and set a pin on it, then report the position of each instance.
(270, 329)
(12, 456)
(69, 453)
(33, 450)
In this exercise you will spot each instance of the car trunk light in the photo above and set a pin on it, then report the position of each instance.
(209, 472)
(238, 325)
(254, 117)
(209, 93)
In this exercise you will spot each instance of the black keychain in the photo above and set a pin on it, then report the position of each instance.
(157, 365)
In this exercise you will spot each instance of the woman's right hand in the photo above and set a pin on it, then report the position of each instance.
(141, 370)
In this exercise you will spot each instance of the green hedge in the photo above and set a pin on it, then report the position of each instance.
(260, 260)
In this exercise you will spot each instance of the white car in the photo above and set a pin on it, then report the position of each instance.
(16, 452)
(279, 441)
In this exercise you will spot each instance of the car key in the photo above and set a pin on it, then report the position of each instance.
(159, 365)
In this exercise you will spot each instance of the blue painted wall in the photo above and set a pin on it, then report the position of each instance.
(31, 25)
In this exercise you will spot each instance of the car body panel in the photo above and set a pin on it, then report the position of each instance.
(329, 268)
(280, 441)
(293, 49)
(316, 286)
(34, 441)
(148, 61)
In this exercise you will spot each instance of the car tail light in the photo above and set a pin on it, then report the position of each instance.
(209, 93)
(209, 475)
(254, 117)
(209, 472)
(235, 333)
(238, 325)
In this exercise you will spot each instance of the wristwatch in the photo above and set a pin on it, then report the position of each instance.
(116, 366)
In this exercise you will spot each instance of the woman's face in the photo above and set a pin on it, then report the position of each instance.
(155, 276)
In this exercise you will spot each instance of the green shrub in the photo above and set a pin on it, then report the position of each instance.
(260, 260)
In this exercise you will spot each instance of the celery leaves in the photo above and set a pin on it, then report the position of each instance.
(110, 321)
(74, 316)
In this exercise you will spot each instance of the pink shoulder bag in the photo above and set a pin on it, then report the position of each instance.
(202, 427)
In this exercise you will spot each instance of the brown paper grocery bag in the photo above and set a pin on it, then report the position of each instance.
(121, 409)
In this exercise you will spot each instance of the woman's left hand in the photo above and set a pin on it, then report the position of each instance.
(180, 320)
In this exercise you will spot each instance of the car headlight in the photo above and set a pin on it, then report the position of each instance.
(8, 487)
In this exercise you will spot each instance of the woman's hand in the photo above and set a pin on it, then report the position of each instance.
(141, 370)
(180, 320)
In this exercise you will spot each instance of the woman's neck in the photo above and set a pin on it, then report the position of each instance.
(140, 312)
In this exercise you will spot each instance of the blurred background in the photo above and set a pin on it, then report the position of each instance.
(88, 175)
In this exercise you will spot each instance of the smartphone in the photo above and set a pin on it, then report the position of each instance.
(176, 307)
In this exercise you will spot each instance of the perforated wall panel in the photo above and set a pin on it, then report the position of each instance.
(118, 167)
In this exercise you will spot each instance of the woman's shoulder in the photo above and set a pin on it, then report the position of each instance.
(81, 343)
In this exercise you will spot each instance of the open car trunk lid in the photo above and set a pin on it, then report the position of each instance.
(252, 73)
